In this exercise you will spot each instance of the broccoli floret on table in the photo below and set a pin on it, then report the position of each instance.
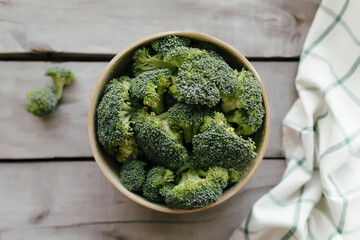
(133, 174)
(247, 104)
(197, 188)
(113, 120)
(41, 101)
(218, 145)
(61, 77)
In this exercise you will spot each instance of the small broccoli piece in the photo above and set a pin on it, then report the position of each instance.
(61, 77)
(247, 103)
(160, 144)
(144, 61)
(197, 188)
(41, 101)
(234, 176)
(157, 178)
(150, 87)
(113, 120)
(218, 145)
(188, 118)
(133, 174)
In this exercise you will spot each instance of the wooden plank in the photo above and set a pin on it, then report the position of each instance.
(64, 133)
(256, 28)
(279, 82)
(73, 200)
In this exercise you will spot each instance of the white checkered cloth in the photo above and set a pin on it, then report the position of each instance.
(319, 194)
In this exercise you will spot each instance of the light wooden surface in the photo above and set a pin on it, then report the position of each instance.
(256, 28)
(46, 192)
(73, 200)
(67, 127)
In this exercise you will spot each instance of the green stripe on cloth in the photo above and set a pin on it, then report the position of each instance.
(326, 32)
(344, 78)
(298, 127)
(342, 23)
(340, 144)
(341, 128)
(279, 203)
(291, 232)
(341, 224)
(246, 230)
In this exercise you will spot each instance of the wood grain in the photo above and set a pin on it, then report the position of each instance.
(64, 133)
(73, 200)
(259, 28)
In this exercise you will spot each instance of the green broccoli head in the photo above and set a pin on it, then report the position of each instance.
(203, 79)
(113, 120)
(196, 189)
(188, 118)
(150, 87)
(41, 101)
(157, 178)
(145, 61)
(133, 174)
(166, 46)
(160, 144)
(247, 103)
(218, 145)
(61, 77)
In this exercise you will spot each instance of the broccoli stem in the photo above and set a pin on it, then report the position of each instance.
(158, 106)
(190, 174)
(229, 105)
(59, 86)
(153, 63)
(163, 116)
(188, 134)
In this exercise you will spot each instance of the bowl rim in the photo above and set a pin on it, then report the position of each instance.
(92, 113)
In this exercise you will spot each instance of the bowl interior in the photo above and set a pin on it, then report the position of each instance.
(121, 65)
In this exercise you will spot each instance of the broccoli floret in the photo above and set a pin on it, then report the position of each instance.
(188, 118)
(133, 174)
(113, 120)
(144, 61)
(150, 87)
(202, 79)
(157, 178)
(41, 101)
(247, 103)
(218, 145)
(234, 175)
(165, 46)
(61, 77)
(202, 76)
(197, 188)
(160, 144)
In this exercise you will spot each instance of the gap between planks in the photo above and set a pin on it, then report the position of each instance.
(88, 57)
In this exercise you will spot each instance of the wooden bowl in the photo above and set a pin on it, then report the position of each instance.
(121, 65)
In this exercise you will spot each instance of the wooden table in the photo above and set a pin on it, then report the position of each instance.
(50, 186)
